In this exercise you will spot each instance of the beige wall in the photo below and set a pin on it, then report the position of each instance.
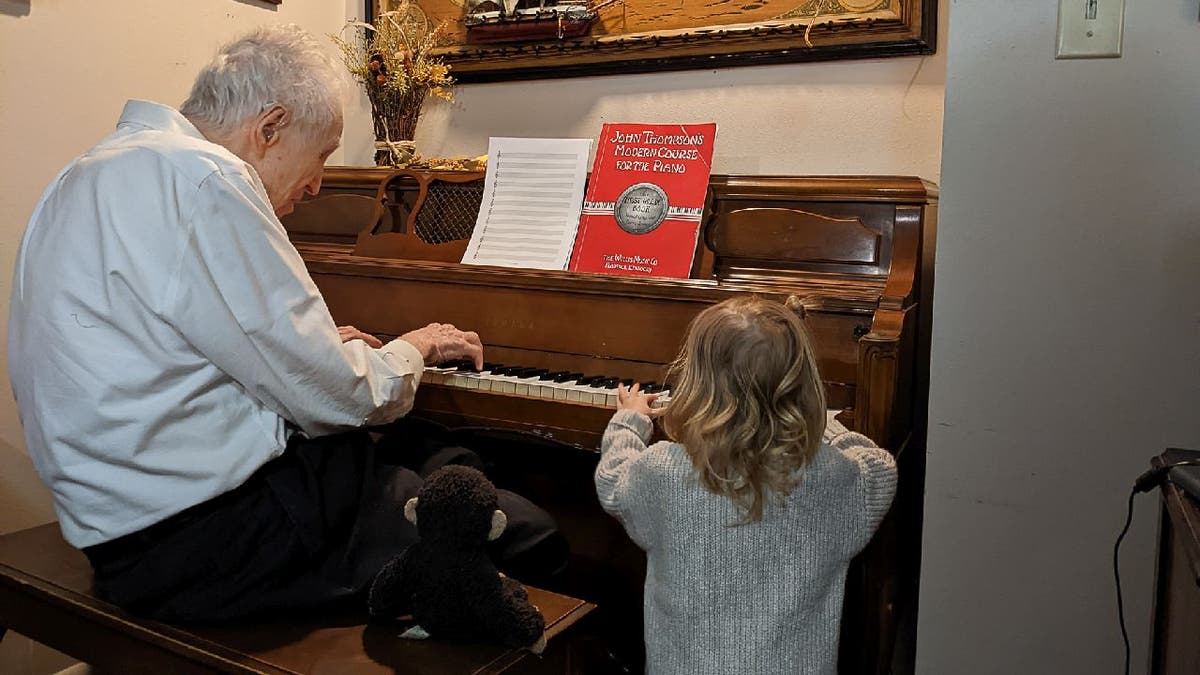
(849, 117)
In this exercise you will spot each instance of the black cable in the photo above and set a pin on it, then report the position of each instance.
(1144, 483)
(1117, 574)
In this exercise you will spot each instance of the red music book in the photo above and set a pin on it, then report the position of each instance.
(644, 200)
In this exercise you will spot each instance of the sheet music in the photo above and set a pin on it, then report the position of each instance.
(532, 197)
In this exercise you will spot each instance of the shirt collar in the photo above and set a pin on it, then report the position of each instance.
(151, 115)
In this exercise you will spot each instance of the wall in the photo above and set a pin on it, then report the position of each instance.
(1066, 335)
(848, 117)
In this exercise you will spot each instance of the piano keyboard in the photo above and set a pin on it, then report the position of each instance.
(538, 383)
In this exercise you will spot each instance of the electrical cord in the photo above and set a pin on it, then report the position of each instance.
(1117, 574)
(1144, 483)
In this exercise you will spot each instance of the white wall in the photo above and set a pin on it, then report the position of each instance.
(1066, 344)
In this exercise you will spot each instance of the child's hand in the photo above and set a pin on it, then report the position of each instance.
(636, 400)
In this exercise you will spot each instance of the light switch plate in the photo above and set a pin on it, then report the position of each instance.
(1090, 29)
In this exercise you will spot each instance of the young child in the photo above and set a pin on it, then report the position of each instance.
(750, 515)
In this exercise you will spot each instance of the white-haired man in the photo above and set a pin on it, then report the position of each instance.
(183, 389)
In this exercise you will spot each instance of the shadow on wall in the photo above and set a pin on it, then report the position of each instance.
(16, 8)
(21, 656)
(24, 499)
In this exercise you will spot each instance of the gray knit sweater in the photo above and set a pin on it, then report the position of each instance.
(758, 599)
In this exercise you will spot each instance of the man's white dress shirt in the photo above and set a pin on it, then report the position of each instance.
(165, 338)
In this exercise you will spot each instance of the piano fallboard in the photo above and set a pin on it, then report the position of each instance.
(533, 318)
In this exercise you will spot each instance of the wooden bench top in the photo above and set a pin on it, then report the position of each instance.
(46, 594)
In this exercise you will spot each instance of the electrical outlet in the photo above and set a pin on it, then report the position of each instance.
(1090, 29)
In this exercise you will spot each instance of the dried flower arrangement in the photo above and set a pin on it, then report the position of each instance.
(392, 59)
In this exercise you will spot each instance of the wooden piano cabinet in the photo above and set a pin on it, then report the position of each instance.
(857, 250)
(1176, 636)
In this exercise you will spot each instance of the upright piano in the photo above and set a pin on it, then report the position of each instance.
(383, 247)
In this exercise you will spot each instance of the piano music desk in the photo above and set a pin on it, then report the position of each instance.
(46, 594)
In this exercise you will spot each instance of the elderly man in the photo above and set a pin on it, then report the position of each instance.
(183, 389)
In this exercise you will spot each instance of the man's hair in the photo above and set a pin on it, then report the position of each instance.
(271, 65)
(747, 401)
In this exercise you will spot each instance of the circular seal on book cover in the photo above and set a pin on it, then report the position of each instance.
(641, 208)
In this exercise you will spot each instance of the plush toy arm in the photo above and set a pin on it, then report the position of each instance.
(514, 620)
(391, 591)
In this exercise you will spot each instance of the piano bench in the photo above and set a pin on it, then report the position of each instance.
(46, 594)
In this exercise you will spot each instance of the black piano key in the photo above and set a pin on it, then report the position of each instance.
(610, 383)
(551, 375)
(496, 368)
(587, 380)
(464, 366)
(569, 377)
(652, 387)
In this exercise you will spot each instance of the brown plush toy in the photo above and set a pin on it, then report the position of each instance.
(446, 580)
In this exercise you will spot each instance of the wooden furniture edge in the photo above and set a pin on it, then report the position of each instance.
(1185, 514)
(56, 604)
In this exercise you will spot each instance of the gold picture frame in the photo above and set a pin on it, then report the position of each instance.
(637, 36)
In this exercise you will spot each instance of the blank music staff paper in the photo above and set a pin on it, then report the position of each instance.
(532, 197)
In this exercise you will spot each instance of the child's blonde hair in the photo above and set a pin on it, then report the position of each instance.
(747, 401)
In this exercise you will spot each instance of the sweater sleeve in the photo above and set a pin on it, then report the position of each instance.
(875, 485)
(623, 443)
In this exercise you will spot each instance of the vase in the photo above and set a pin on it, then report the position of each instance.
(395, 126)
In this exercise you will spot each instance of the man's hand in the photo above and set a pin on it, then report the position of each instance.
(348, 333)
(442, 342)
(637, 401)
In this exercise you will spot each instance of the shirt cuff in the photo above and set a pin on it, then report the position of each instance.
(398, 350)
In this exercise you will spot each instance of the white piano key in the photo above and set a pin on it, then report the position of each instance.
(529, 385)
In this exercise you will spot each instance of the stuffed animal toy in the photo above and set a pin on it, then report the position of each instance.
(446, 580)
